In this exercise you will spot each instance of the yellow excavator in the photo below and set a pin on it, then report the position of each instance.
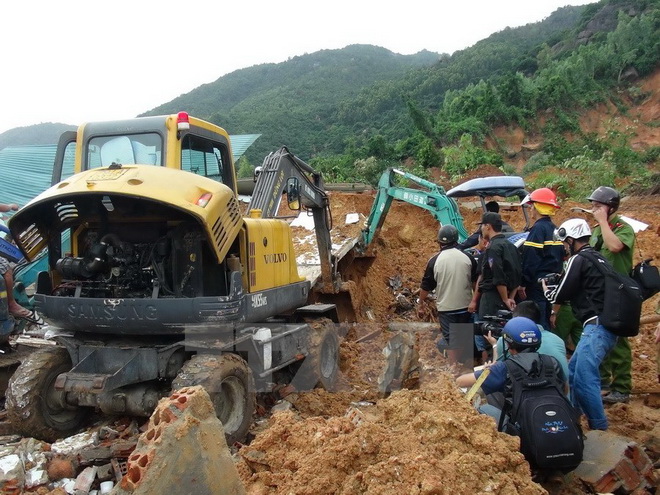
(157, 280)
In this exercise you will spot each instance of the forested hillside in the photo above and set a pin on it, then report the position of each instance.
(295, 102)
(353, 112)
(325, 102)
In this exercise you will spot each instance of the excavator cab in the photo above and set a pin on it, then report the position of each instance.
(501, 186)
(293, 193)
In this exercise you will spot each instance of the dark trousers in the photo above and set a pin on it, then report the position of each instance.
(490, 303)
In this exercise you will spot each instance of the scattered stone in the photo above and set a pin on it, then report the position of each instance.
(36, 476)
(12, 474)
(59, 468)
(105, 472)
(283, 405)
(84, 481)
(75, 443)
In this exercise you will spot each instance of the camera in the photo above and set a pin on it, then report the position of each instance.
(551, 279)
(493, 324)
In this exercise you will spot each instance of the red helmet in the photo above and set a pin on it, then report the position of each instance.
(543, 195)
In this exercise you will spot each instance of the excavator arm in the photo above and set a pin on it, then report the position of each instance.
(434, 199)
(281, 172)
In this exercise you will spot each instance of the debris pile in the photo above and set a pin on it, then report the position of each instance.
(415, 441)
(182, 450)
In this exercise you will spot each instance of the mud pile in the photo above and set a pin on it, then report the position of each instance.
(412, 442)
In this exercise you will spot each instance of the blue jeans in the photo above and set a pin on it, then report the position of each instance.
(491, 411)
(584, 374)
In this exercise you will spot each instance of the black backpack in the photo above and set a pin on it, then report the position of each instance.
(622, 306)
(648, 278)
(536, 410)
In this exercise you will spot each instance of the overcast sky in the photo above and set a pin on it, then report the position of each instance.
(73, 61)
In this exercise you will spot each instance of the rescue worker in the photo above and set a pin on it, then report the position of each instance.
(615, 240)
(7, 273)
(451, 273)
(500, 270)
(542, 255)
(473, 239)
(584, 287)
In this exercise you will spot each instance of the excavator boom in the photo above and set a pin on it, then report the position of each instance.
(281, 172)
(434, 199)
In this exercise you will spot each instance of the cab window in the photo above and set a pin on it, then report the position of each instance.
(142, 149)
(204, 157)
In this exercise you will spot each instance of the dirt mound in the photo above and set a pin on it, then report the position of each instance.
(412, 442)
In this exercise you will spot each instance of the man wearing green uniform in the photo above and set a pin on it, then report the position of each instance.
(615, 239)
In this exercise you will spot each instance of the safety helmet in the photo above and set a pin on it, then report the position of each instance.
(521, 334)
(448, 234)
(606, 195)
(544, 195)
(575, 228)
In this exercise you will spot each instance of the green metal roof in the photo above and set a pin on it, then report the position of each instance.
(240, 143)
(26, 170)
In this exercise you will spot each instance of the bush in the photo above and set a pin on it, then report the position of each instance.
(537, 162)
(467, 156)
(245, 169)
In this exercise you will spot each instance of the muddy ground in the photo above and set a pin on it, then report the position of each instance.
(426, 439)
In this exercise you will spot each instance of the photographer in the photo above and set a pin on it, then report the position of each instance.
(523, 339)
(584, 287)
(451, 274)
(551, 344)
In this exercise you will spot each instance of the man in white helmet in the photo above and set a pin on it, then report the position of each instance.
(584, 287)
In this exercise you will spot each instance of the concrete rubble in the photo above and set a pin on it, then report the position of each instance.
(402, 363)
(613, 463)
(181, 450)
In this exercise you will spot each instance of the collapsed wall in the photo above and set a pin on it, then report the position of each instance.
(182, 451)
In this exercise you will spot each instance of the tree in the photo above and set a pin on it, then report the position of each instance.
(245, 169)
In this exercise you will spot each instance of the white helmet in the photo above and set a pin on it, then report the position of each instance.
(575, 228)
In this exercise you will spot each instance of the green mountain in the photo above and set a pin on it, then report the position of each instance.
(37, 134)
(295, 102)
(320, 103)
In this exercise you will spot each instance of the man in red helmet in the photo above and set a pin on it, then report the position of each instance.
(615, 240)
(542, 255)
